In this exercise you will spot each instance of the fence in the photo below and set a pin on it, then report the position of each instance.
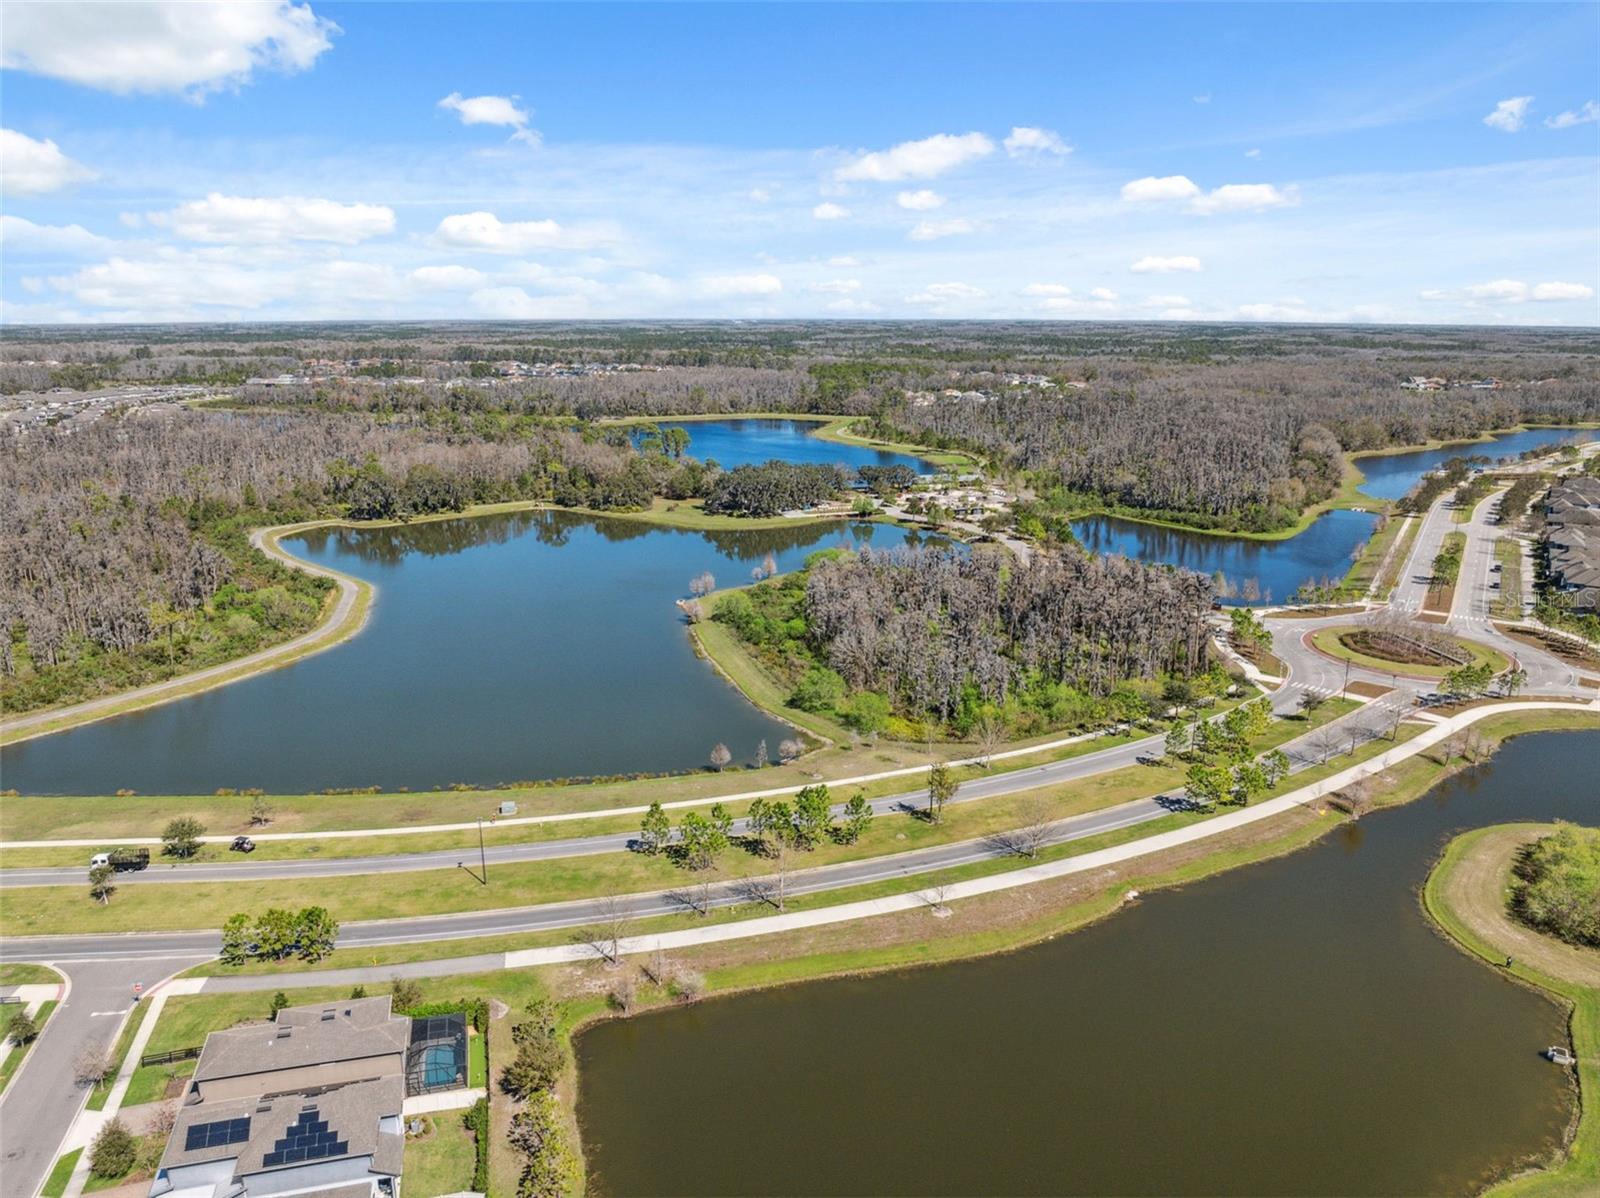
(167, 1058)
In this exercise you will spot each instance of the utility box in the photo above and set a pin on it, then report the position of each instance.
(508, 807)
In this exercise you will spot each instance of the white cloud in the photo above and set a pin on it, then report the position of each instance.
(1562, 291)
(941, 293)
(917, 159)
(513, 303)
(1046, 289)
(1509, 115)
(852, 305)
(1104, 294)
(830, 211)
(1244, 197)
(448, 278)
(492, 110)
(1588, 114)
(1152, 265)
(1029, 141)
(31, 168)
(192, 46)
(223, 218)
(1288, 310)
(845, 260)
(1511, 291)
(1500, 289)
(836, 287)
(1252, 153)
(1203, 99)
(175, 281)
(919, 201)
(1166, 301)
(733, 285)
(933, 230)
(486, 232)
(1167, 187)
(759, 194)
(19, 235)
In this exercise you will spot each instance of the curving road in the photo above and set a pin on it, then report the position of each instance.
(266, 540)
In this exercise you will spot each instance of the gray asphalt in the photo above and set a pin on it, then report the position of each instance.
(1051, 773)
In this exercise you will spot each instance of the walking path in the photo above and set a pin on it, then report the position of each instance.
(347, 616)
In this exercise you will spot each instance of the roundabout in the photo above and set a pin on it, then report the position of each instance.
(1407, 652)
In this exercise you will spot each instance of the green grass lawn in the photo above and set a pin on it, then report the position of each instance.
(1579, 1173)
(1364, 571)
(441, 1161)
(28, 975)
(1508, 603)
(130, 1028)
(17, 1053)
(55, 1185)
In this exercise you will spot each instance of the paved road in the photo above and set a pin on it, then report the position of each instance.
(989, 786)
(229, 671)
(40, 1104)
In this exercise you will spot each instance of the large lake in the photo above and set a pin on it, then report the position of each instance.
(500, 648)
(1293, 1027)
(747, 442)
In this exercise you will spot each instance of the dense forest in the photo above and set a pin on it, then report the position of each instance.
(1063, 639)
(123, 552)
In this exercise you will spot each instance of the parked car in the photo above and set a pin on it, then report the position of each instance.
(121, 860)
(242, 844)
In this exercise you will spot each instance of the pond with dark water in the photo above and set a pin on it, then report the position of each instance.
(1291, 1027)
(500, 648)
(1391, 475)
(1257, 571)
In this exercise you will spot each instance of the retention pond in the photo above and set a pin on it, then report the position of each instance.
(500, 648)
(1292, 1027)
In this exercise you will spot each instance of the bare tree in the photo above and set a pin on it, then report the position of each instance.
(935, 897)
(614, 918)
(1031, 834)
(789, 750)
(92, 1064)
(720, 756)
(990, 734)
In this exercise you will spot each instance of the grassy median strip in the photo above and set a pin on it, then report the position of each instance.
(175, 906)
(1508, 603)
(16, 1053)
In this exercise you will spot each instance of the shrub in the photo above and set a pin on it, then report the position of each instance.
(114, 1150)
(821, 689)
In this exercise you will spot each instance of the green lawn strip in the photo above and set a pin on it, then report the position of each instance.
(1579, 1172)
(409, 953)
(1327, 641)
(1364, 571)
(18, 1052)
(55, 1185)
(98, 1096)
(1508, 603)
(157, 907)
(442, 1160)
(28, 975)
(842, 430)
(477, 1059)
(722, 646)
(1396, 565)
(106, 819)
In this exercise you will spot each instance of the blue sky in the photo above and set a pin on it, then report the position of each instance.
(274, 160)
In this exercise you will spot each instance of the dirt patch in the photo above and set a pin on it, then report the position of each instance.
(1374, 643)
(1369, 690)
(1477, 890)
(1316, 613)
(1432, 618)
(1568, 649)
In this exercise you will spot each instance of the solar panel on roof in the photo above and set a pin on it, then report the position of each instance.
(217, 1134)
(306, 1139)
